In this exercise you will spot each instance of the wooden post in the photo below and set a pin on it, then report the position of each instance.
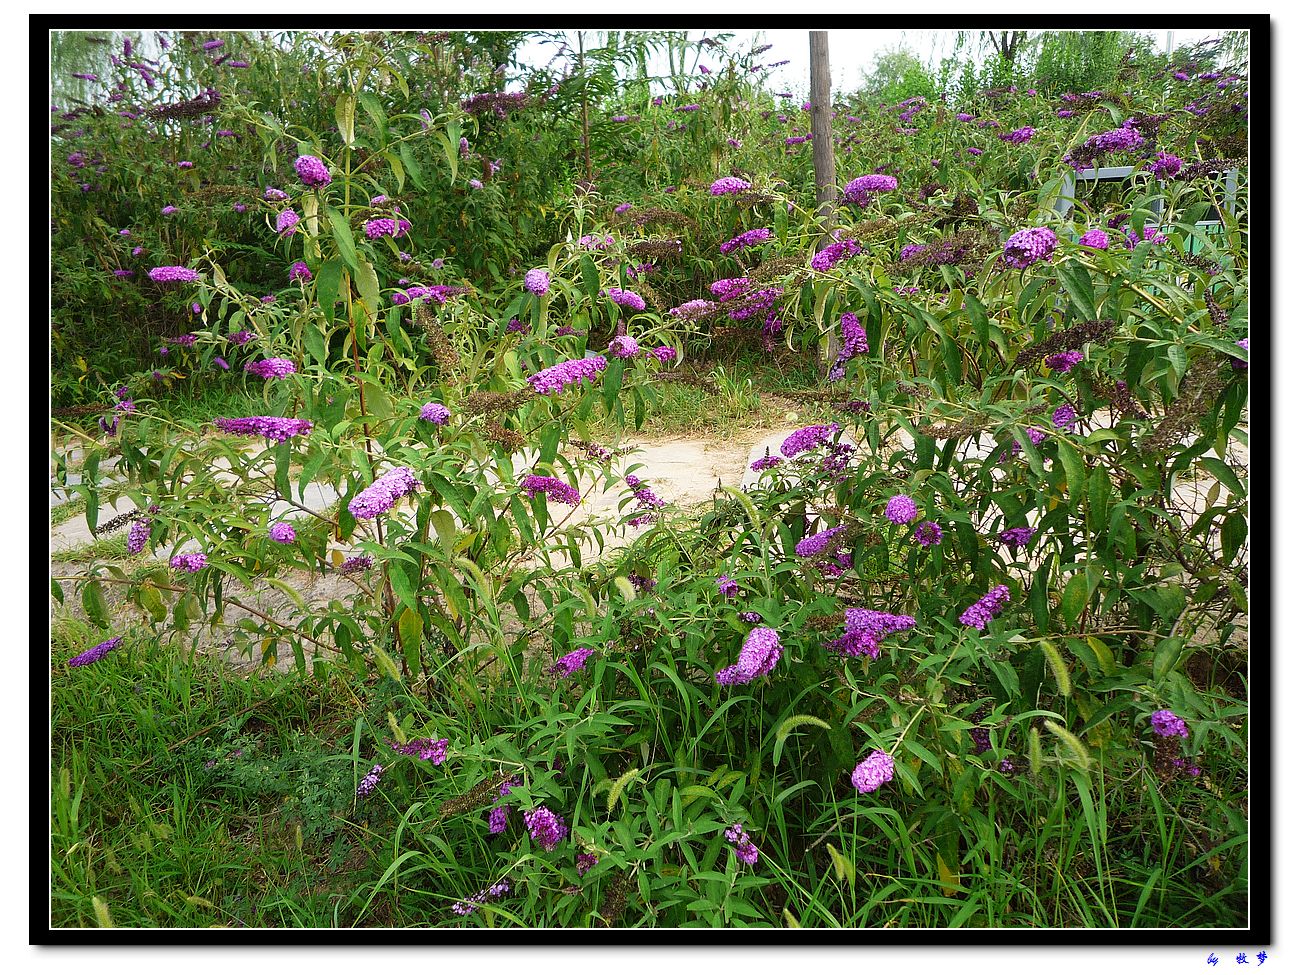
(586, 126)
(823, 153)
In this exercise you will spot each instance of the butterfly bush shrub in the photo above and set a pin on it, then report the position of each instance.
(974, 588)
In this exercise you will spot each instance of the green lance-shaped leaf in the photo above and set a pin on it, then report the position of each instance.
(1059, 669)
(787, 729)
(368, 288)
(1074, 598)
(345, 114)
(343, 237)
(444, 524)
(410, 630)
(94, 603)
(1076, 749)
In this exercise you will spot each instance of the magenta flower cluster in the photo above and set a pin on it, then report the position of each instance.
(746, 852)
(299, 271)
(468, 906)
(758, 656)
(728, 185)
(368, 783)
(571, 662)
(1016, 537)
(1026, 247)
(900, 509)
(568, 373)
(832, 254)
(552, 487)
(383, 493)
(728, 586)
(647, 501)
(692, 309)
(1096, 239)
(95, 653)
(137, 535)
(928, 533)
(864, 188)
(865, 628)
(728, 288)
(1167, 724)
(191, 562)
(171, 274)
(873, 772)
(664, 353)
(285, 222)
(808, 437)
(766, 463)
(277, 428)
(1165, 165)
(750, 238)
(538, 280)
(1063, 361)
(545, 827)
(271, 368)
(1064, 417)
(425, 749)
(435, 413)
(311, 171)
(623, 347)
(628, 299)
(815, 544)
(987, 607)
(282, 532)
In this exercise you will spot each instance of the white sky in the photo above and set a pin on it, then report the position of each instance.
(852, 52)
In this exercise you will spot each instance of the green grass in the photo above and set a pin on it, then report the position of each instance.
(67, 510)
(722, 397)
(183, 796)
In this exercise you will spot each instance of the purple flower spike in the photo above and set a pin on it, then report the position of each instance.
(435, 413)
(758, 656)
(425, 749)
(863, 189)
(571, 662)
(311, 171)
(282, 532)
(545, 827)
(900, 509)
(568, 373)
(552, 487)
(807, 438)
(1025, 247)
(384, 493)
(873, 772)
(623, 347)
(728, 185)
(171, 273)
(927, 533)
(95, 653)
(1167, 724)
(538, 281)
(988, 606)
